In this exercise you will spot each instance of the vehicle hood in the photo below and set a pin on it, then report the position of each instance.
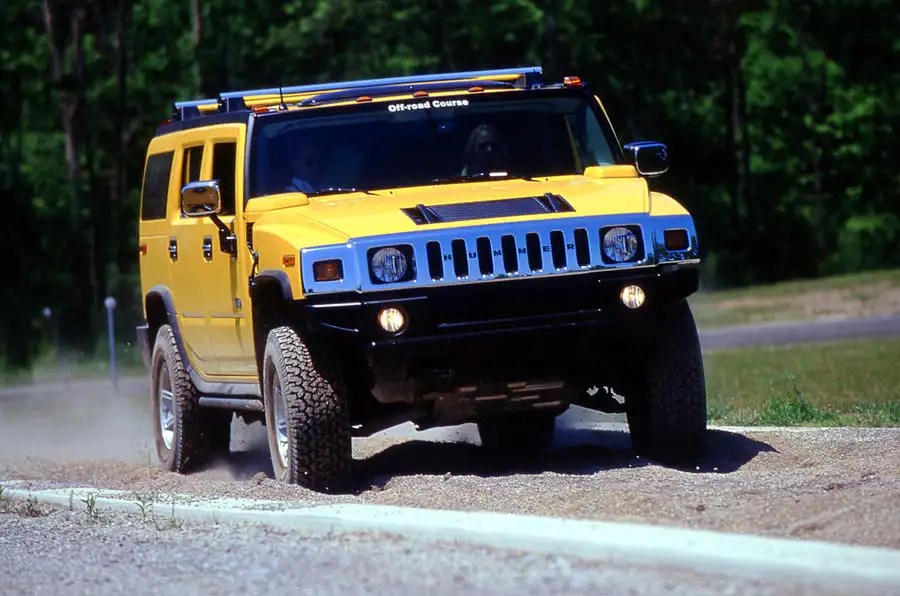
(359, 215)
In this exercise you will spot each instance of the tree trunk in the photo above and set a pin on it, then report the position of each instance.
(197, 29)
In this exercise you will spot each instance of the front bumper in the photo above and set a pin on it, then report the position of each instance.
(500, 307)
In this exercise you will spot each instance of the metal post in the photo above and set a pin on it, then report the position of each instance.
(53, 332)
(110, 304)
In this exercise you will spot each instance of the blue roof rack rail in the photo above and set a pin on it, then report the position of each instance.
(184, 110)
(231, 101)
(234, 100)
(343, 94)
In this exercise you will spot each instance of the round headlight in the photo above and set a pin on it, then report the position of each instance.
(620, 244)
(389, 265)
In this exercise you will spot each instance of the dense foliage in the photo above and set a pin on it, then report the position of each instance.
(780, 116)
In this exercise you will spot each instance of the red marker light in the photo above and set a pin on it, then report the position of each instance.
(260, 109)
(142, 248)
(572, 81)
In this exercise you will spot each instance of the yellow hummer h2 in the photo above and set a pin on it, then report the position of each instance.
(335, 259)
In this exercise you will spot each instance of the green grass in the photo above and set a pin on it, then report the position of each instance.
(47, 367)
(859, 294)
(854, 383)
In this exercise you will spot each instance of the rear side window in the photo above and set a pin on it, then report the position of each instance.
(223, 171)
(156, 185)
(190, 166)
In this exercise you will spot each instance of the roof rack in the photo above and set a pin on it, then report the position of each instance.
(238, 100)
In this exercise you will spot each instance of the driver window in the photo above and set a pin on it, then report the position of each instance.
(223, 171)
(190, 164)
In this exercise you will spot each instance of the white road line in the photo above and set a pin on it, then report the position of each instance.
(702, 550)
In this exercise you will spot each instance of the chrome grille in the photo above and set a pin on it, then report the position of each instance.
(525, 252)
(536, 248)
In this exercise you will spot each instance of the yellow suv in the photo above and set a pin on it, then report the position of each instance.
(335, 259)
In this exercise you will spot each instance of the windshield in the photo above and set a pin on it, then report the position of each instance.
(415, 142)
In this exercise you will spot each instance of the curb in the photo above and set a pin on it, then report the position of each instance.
(701, 550)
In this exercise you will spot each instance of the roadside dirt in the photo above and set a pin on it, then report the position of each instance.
(826, 484)
(862, 301)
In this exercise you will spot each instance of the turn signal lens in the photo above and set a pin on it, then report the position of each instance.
(633, 296)
(332, 270)
(676, 239)
(572, 81)
(392, 320)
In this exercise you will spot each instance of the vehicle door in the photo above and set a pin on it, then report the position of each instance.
(232, 341)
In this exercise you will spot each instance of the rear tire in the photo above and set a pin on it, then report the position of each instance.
(666, 401)
(530, 431)
(186, 435)
(306, 416)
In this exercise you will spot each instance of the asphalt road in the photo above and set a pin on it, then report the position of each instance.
(772, 334)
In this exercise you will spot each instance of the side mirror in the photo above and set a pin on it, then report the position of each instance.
(200, 199)
(649, 157)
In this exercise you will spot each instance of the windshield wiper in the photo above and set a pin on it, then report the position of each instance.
(337, 190)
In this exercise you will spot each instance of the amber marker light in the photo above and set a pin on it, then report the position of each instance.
(289, 260)
(420, 94)
(332, 270)
(363, 98)
(476, 89)
(572, 81)
(676, 239)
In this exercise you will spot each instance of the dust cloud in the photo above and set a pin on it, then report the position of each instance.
(81, 419)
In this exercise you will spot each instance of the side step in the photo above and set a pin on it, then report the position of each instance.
(232, 403)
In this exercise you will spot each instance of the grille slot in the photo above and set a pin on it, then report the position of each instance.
(460, 259)
(558, 249)
(533, 244)
(485, 258)
(510, 258)
(435, 262)
(582, 249)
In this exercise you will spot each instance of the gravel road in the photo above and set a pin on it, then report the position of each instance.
(830, 484)
(46, 551)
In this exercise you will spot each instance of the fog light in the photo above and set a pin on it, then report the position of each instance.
(632, 296)
(392, 320)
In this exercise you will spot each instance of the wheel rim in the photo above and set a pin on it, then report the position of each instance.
(166, 407)
(281, 426)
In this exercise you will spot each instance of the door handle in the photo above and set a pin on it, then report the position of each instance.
(207, 248)
(173, 249)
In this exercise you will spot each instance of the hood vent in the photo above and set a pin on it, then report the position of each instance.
(432, 214)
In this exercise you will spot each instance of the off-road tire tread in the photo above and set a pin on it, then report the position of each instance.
(316, 411)
(667, 413)
(199, 432)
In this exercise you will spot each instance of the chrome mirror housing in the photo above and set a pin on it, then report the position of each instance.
(650, 158)
(200, 199)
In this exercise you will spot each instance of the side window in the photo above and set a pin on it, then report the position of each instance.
(223, 171)
(190, 165)
(156, 185)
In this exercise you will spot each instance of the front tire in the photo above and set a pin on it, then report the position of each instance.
(666, 401)
(306, 416)
(186, 435)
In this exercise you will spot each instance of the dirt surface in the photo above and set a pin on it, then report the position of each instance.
(827, 484)
(46, 551)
